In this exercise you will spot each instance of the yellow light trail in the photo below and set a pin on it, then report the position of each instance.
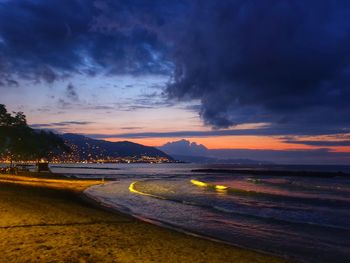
(133, 190)
(202, 184)
(75, 184)
(199, 183)
(221, 187)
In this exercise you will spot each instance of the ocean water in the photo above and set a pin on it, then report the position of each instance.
(302, 218)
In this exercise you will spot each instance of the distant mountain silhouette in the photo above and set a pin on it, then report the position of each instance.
(192, 152)
(184, 147)
(87, 148)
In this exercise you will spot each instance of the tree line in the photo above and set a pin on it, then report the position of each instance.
(20, 142)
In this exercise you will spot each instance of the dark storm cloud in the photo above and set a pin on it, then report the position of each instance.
(284, 62)
(36, 35)
(281, 62)
(44, 40)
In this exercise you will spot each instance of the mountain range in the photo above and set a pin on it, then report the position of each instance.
(85, 148)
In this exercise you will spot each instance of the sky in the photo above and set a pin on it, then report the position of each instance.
(260, 79)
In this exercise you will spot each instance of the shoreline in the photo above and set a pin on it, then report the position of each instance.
(52, 220)
(97, 203)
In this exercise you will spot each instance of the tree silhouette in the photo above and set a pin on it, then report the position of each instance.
(20, 142)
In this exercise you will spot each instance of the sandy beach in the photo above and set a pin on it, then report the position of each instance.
(47, 220)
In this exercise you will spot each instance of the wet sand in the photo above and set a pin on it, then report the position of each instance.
(47, 220)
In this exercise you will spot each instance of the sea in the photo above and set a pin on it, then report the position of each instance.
(304, 219)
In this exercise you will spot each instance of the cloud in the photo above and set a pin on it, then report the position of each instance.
(71, 92)
(323, 143)
(45, 41)
(63, 104)
(47, 74)
(12, 83)
(184, 147)
(282, 62)
(313, 156)
(269, 131)
(130, 128)
(59, 124)
(99, 107)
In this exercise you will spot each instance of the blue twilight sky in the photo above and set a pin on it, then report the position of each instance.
(246, 75)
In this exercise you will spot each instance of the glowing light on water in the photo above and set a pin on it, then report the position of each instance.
(199, 183)
(133, 190)
(219, 188)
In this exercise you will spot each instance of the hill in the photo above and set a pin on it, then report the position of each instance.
(85, 148)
